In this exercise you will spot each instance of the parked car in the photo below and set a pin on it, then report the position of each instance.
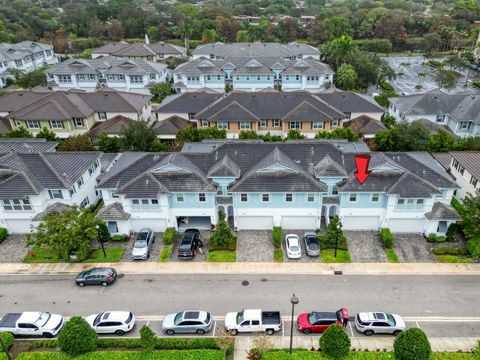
(143, 244)
(190, 243)
(312, 245)
(112, 322)
(33, 323)
(253, 321)
(319, 321)
(188, 322)
(96, 276)
(292, 244)
(371, 323)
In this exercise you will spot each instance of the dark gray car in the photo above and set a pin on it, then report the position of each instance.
(96, 276)
(312, 245)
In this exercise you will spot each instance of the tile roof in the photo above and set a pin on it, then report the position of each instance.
(351, 102)
(25, 145)
(328, 167)
(20, 50)
(225, 167)
(441, 211)
(364, 125)
(112, 126)
(113, 212)
(470, 160)
(171, 125)
(444, 159)
(256, 49)
(53, 209)
(140, 49)
(189, 102)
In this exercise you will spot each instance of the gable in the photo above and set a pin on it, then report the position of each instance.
(169, 168)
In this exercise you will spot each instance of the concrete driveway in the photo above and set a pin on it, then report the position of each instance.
(413, 248)
(365, 247)
(254, 246)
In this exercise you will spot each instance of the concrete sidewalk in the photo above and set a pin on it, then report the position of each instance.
(439, 344)
(290, 268)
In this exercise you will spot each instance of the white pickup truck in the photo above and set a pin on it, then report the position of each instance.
(32, 324)
(253, 321)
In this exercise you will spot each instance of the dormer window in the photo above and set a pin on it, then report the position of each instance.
(441, 118)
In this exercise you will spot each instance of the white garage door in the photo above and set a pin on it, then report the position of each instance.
(299, 222)
(255, 222)
(158, 225)
(18, 226)
(361, 222)
(406, 225)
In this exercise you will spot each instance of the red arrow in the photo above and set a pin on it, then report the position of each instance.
(362, 172)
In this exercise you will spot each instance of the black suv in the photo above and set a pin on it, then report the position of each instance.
(190, 243)
(96, 276)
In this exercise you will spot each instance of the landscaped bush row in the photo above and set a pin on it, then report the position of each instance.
(435, 64)
(476, 84)
(7, 339)
(386, 86)
(315, 355)
(169, 235)
(277, 237)
(130, 355)
(3, 234)
(120, 238)
(436, 238)
(387, 238)
(450, 251)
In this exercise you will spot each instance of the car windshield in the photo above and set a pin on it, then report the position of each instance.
(240, 317)
(312, 318)
(311, 240)
(294, 248)
(97, 319)
(178, 318)
(42, 319)
(142, 236)
(140, 244)
(391, 319)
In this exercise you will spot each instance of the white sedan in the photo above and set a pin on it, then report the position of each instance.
(112, 322)
(292, 244)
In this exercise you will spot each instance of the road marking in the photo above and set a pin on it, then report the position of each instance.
(148, 322)
(214, 327)
(418, 326)
(351, 330)
(442, 319)
(283, 328)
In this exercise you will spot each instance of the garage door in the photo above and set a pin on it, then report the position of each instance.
(255, 222)
(299, 222)
(154, 225)
(18, 226)
(406, 225)
(361, 222)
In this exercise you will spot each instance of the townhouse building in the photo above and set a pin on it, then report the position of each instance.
(25, 56)
(150, 52)
(35, 184)
(464, 166)
(73, 112)
(296, 185)
(125, 75)
(457, 113)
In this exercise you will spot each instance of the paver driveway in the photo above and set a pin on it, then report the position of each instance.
(254, 246)
(365, 247)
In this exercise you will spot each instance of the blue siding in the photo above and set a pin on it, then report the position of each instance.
(363, 201)
(191, 201)
(223, 182)
(331, 182)
(277, 200)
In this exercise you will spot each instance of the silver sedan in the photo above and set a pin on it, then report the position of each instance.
(188, 322)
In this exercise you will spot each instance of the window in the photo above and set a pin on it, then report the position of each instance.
(297, 77)
(102, 115)
(276, 123)
(78, 122)
(310, 198)
(243, 198)
(85, 202)
(18, 63)
(179, 198)
(222, 125)
(91, 76)
(205, 123)
(294, 124)
(152, 76)
(334, 190)
(263, 123)
(219, 77)
(55, 194)
(144, 204)
(110, 77)
(244, 125)
(72, 190)
(334, 123)
(375, 197)
(265, 198)
(209, 77)
(317, 125)
(17, 205)
(81, 77)
(465, 125)
(473, 181)
(202, 197)
(268, 77)
(258, 77)
(348, 115)
(113, 194)
(80, 182)
(92, 168)
(440, 118)
(64, 79)
(56, 124)
(288, 197)
(247, 77)
(287, 77)
(353, 197)
(461, 169)
(136, 79)
(33, 124)
(410, 204)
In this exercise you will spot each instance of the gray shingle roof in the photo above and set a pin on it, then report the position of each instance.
(470, 160)
(20, 50)
(328, 167)
(112, 126)
(411, 186)
(364, 125)
(113, 212)
(351, 102)
(255, 49)
(189, 102)
(441, 211)
(444, 159)
(55, 208)
(172, 125)
(24, 145)
(140, 49)
(224, 167)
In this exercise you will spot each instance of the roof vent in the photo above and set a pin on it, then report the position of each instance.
(146, 181)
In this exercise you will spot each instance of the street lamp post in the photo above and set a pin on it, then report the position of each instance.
(99, 240)
(336, 238)
(294, 301)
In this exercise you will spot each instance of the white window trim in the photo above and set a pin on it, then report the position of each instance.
(240, 199)
(306, 198)
(285, 198)
(183, 198)
(320, 123)
(263, 123)
(378, 199)
(245, 125)
(277, 121)
(261, 198)
(350, 198)
(205, 124)
(198, 198)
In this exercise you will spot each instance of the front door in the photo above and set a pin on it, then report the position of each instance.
(442, 227)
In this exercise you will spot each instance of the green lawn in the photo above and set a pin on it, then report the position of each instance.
(130, 355)
(357, 355)
(392, 256)
(222, 256)
(38, 255)
(165, 255)
(113, 255)
(453, 259)
(278, 255)
(343, 256)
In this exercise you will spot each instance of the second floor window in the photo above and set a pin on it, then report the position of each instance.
(276, 123)
(317, 125)
(16, 205)
(473, 181)
(375, 197)
(80, 182)
(310, 198)
(352, 197)
(244, 125)
(334, 123)
(135, 79)
(205, 123)
(288, 197)
(85, 202)
(144, 204)
(55, 194)
(33, 124)
(64, 79)
(56, 124)
(263, 123)
(78, 122)
(410, 204)
(294, 124)
(243, 198)
(102, 115)
(265, 198)
(179, 198)
(202, 197)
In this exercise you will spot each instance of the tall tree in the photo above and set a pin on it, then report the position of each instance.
(445, 78)
(346, 77)
(140, 136)
(470, 212)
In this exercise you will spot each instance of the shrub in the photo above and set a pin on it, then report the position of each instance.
(7, 339)
(374, 45)
(473, 248)
(412, 344)
(335, 343)
(434, 63)
(387, 238)
(277, 237)
(3, 234)
(451, 231)
(222, 237)
(77, 337)
(450, 251)
(148, 338)
(435, 238)
(476, 84)
(386, 86)
(169, 235)
(119, 238)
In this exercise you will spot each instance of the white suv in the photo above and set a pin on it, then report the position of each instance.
(112, 322)
(371, 323)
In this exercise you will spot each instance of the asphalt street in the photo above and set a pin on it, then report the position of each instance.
(440, 305)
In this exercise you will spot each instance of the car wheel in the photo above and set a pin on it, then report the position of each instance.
(233, 332)
(396, 332)
(307, 331)
(119, 332)
(81, 284)
(368, 332)
(104, 284)
(200, 331)
(270, 331)
(170, 332)
(48, 335)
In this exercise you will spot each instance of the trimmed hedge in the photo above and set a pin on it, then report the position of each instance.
(130, 355)
(277, 237)
(386, 86)
(7, 339)
(386, 238)
(434, 63)
(169, 235)
(302, 354)
(436, 239)
(3, 234)
(119, 238)
(450, 251)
